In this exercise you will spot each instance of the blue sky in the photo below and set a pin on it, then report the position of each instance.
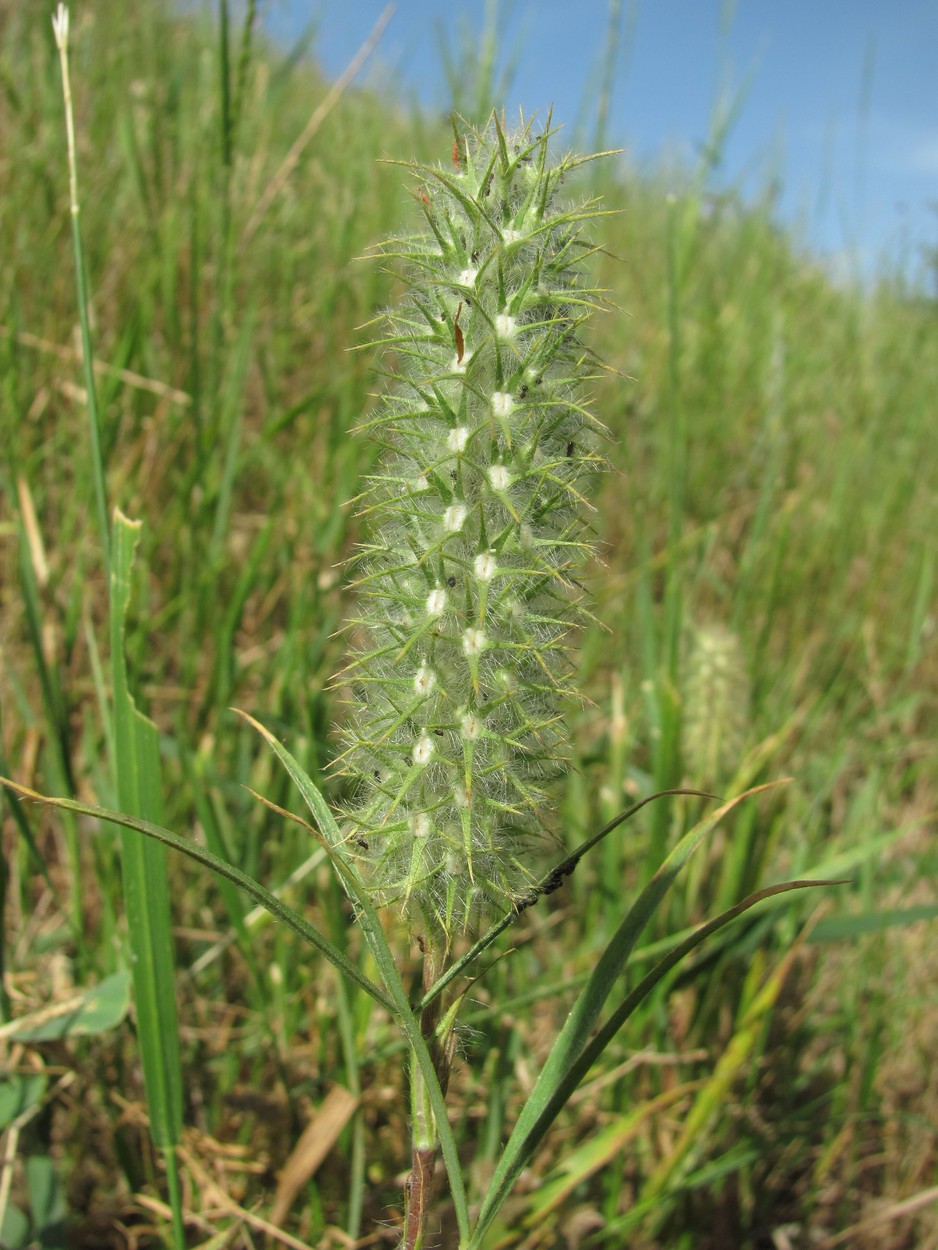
(838, 99)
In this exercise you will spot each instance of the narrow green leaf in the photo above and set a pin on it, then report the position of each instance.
(277, 908)
(586, 1009)
(585, 1013)
(143, 866)
(553, 1102)
(374, 935)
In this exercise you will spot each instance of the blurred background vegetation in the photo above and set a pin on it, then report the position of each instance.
(768, 610)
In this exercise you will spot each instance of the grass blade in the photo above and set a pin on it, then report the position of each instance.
(277, 908)
(384, 958)
(146, 886)
(583, 1017)
(555, 1100)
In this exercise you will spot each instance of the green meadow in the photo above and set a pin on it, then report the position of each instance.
(764, 617)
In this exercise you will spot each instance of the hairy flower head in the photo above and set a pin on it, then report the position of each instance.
(467, 583)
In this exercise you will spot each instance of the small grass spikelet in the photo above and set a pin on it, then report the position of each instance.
(716, 704)
(467, 581)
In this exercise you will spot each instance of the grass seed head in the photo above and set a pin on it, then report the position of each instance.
(468, 587)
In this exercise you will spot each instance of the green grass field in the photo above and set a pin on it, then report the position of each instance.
(767, 600)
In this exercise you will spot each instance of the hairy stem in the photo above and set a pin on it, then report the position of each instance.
(438, 1035)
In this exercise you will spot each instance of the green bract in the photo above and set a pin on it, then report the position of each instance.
(467, 581)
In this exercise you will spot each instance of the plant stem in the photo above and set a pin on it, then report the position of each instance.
(60, 28)
(417, 1193)
(424, 1135)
